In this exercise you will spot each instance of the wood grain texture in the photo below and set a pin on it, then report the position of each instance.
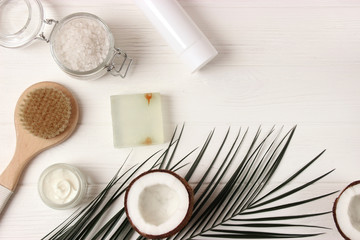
(280, 62)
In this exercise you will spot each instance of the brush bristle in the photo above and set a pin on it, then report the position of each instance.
(45, 112)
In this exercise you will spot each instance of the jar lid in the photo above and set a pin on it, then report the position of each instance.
(20, 22)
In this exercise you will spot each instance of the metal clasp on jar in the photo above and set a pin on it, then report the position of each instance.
(42, 35)
(119, 64)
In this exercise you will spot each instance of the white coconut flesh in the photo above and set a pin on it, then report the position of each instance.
(157, 203)
(347, 212)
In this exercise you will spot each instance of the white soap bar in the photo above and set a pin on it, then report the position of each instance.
(137, 119)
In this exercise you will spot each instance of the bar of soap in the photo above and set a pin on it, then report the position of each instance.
(137, 119)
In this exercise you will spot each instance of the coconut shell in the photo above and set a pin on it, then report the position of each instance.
(183, 222)
(335, 206)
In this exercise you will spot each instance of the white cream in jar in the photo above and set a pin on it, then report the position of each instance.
(62, 186)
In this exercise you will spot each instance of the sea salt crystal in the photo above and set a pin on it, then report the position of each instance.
(81, 44)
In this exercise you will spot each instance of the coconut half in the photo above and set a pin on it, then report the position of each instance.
(159, 203)
(346, 211)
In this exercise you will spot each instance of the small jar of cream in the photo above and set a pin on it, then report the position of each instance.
(62, 186)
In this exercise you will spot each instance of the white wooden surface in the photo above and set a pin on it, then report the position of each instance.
(280, 62)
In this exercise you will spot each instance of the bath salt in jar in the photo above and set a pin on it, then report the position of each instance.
(83, 46)
(81, 43)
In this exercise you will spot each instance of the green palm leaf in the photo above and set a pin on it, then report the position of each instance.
(230, 210)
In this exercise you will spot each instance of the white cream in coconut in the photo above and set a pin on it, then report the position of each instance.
(348, 212)
(157, 203)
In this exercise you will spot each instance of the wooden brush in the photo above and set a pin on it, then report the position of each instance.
(45, 115)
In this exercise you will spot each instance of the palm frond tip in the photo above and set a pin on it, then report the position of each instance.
(228, 211)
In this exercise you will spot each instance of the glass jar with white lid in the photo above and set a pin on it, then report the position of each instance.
(81, 43)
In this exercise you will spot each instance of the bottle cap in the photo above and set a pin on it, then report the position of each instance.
(199, 54)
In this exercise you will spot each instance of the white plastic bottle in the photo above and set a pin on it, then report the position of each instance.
(178, 29)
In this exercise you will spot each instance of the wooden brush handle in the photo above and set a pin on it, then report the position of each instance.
(24, 152)
(11, 175)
